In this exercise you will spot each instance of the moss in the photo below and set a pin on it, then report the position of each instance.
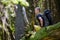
(45, 32)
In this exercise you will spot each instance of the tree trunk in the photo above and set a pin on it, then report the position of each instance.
(19, 25)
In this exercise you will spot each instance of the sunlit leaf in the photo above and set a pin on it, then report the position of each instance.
(14, 1)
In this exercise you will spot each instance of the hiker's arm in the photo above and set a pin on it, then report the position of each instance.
(41, 21)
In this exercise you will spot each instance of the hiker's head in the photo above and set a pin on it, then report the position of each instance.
(37, 10)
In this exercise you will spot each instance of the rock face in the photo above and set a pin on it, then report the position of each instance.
(19, 25)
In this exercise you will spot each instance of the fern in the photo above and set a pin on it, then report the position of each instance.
(44, 32)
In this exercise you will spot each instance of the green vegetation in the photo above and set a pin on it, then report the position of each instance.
(45, 32)
(10, 2)
(8, 16)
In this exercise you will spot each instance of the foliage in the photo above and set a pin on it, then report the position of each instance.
(44, 32)
(7, 17)
(7, 20)
(22, 2)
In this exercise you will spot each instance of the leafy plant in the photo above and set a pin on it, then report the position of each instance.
(22, 2)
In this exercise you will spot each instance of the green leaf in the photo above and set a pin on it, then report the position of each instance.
(14, 1)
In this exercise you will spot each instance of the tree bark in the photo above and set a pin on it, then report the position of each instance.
(19, 24)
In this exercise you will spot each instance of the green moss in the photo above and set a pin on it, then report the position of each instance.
(44, 32)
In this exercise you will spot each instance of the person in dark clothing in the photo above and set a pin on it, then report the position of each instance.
(47, 13)
(42, 20)
(39, 16)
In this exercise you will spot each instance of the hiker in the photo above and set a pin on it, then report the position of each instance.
(39, 16)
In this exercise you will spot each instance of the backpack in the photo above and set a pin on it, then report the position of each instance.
(47, 14)
(45, 20)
